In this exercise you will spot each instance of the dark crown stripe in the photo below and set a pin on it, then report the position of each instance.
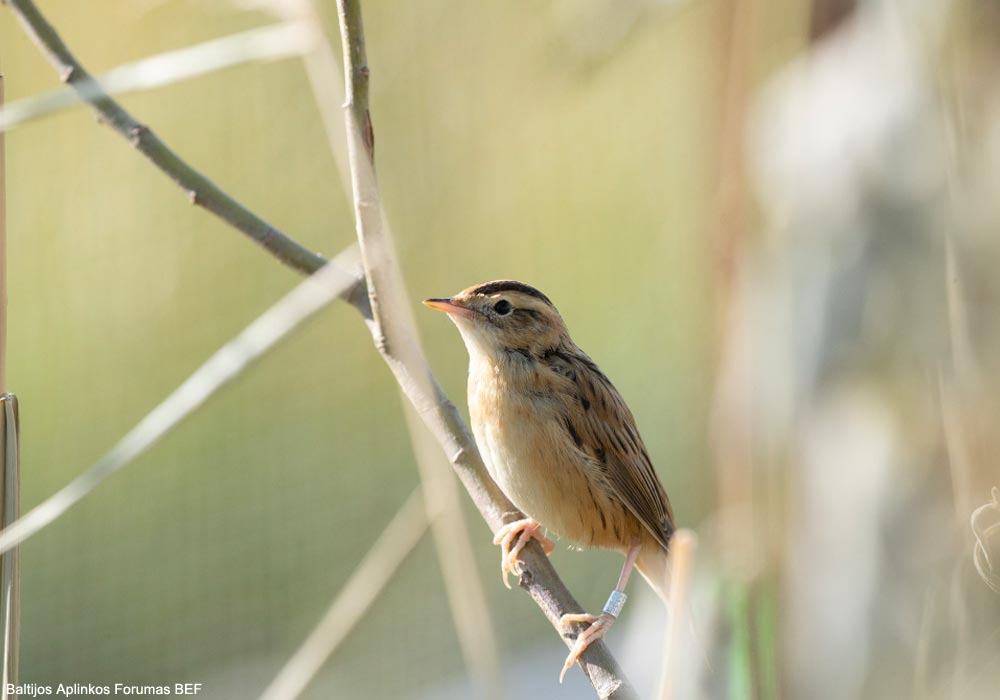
(511, 286)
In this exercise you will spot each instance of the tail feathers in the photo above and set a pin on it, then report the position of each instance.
(652, 564)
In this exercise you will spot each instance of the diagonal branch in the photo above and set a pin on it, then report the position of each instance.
(381, 561)
(403, 356)
(463, 583)
(261, 44)
(200, 189)
(396, 339)
(262, 335)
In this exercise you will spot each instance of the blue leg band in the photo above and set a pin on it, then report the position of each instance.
(616, 601)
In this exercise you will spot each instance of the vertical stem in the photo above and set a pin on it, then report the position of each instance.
(395, 335)
(3, 250)
(731, 438)
(462, 583)
(10, 565)
(363, 586)
(10, 477)
(463, 586)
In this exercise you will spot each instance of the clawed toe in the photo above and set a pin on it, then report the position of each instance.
(599, 626)
(519, 533)
(573, 618)
(514, 537)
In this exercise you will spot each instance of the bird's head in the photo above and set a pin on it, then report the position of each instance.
(503, 316)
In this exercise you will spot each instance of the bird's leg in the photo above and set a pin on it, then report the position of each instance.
(599, 624)
(523, 531)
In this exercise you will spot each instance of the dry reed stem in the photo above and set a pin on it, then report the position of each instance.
(3, 246)
(264, 333)
(463, 584)
(396, 338)
(10, 562)
(270, 43)
(539, 579)
(372, 574)
(10, 473)
(200, 190)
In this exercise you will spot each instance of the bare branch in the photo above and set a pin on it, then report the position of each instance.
(311, 295)
(10, 562)
(263, 43)
(403, 356)
(200, 189)
(462, 582)
(463, 585)
(3, 248)
(396, 338)
(398, 539)
(10, 473)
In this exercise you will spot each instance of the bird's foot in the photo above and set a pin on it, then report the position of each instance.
(518, 533)
(599, 626)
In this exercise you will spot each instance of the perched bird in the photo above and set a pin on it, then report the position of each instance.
(560, 441)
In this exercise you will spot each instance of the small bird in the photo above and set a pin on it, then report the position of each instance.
(559, 440)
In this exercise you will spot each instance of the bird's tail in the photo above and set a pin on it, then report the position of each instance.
(652, 564)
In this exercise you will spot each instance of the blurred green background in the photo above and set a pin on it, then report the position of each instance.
(505, 149)
(772, 225)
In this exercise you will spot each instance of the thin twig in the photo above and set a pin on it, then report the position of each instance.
(311, 295)
(352, 602)
(10, 562)
(277, 41)
(463, 585)
(200, 189)
(958, 382)
(539, 579)
(3, 248)
(396, 339)
(10, 473)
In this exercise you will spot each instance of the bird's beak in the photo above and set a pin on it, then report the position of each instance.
(450, 306)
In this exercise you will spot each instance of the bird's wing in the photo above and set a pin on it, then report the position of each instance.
(605, 428)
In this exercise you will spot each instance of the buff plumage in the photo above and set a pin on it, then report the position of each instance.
(558, 438)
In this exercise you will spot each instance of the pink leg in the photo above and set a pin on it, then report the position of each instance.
(523, 531)
(599, 624)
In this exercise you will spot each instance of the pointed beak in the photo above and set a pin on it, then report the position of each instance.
(450, 306)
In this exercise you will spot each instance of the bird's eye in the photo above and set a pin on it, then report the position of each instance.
(503, 307)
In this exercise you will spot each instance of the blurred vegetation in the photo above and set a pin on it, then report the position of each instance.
(594, 149)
